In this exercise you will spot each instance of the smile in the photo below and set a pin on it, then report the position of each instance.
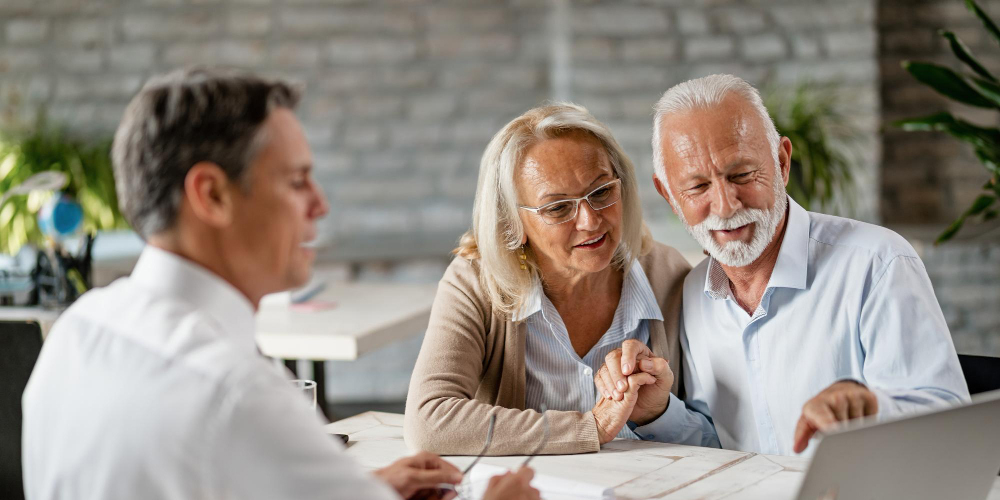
(594, 243)
(734, 230)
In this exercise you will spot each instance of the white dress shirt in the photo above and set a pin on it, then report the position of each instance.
(555, 375)
(846, 301)
(153, 388)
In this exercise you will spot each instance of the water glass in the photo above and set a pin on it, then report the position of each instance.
(307, 387)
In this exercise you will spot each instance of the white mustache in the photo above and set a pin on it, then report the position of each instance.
(739, 219)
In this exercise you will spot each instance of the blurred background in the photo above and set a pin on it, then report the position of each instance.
(403, 95)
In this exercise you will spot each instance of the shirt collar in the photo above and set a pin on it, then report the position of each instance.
(790, 270)
(637, 295)
(181, 279)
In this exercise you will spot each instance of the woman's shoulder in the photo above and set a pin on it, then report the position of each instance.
(462, 275)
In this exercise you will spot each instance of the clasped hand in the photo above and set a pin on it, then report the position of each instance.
(635, 384)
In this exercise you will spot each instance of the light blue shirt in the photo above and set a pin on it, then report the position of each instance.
(554, 374)
(846, 301)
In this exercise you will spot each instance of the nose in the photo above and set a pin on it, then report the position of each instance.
(726, 199)
(587, 219)
(320, 206)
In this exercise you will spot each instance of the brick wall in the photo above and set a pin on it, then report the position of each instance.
(404, 94)
(928, 177)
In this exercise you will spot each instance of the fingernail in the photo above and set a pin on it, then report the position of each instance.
(607, 394)
(621, 385)
(625, 369)
(457, 477)
(646, 365)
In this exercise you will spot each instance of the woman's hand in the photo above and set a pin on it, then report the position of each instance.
(420, 473)
(635, 357)
(612, 414)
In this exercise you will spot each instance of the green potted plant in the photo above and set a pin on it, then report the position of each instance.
(824, 144)
(977, 87)
(45, 148)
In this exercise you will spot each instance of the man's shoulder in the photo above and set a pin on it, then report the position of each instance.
(861, 239)
(159, 329)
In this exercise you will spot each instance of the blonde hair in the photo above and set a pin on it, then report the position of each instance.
(496, 226)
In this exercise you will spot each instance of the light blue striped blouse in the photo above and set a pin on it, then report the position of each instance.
(555, 374)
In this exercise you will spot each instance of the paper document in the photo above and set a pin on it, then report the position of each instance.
(551, 487)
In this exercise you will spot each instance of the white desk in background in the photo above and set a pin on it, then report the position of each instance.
(363, 318)
(44, 317)
(635, 469)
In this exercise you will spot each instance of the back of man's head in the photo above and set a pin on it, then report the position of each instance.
(180, 119)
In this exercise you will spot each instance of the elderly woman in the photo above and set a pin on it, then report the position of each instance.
(557, 271)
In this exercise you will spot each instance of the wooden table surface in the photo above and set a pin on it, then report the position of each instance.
(635, 469)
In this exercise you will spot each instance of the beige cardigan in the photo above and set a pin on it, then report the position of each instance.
(471, 365)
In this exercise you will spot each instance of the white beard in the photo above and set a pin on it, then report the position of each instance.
(738, 253)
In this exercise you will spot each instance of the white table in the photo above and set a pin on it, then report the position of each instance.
(635, 469)
(364, 317)
(44, 317)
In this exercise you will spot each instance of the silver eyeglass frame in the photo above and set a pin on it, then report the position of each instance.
(576, 204)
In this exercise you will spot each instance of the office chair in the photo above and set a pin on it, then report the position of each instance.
(982, 373)
(20, 343)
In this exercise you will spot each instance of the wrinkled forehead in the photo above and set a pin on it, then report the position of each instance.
(712, 134)
(564, 165)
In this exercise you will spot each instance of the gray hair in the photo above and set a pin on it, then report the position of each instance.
(182, 118)
(496, 225)
(703, 93)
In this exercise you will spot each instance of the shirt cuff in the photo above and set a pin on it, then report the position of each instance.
(660, 429)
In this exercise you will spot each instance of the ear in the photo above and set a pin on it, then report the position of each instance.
(208, 192)
(785, 157)
(660, 188)
(524, 239)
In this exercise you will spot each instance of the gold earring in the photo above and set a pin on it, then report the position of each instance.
(524, 259)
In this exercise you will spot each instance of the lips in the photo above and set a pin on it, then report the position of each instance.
(593, 242)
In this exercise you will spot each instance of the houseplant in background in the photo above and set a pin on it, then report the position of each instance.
(44, 148)
(977, 87)
(824, 144)
(40, 225)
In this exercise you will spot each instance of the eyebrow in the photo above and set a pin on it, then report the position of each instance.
(595, 181)
(297, 169)
(729, 167)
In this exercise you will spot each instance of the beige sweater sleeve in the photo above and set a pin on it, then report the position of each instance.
(460, 373)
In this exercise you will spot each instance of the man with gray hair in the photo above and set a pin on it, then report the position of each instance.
(797, 320)
(153, 387)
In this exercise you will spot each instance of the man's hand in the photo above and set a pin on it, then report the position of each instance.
(512, 486)
(633, 357)
(840, 402)
(421, 474)
(611, 414)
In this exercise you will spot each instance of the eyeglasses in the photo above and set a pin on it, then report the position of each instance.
(562, 211)
(467, 490)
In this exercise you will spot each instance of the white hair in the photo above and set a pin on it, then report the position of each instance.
(497, 231)
(704, 93)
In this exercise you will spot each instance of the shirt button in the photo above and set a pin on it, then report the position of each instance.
(587, 371)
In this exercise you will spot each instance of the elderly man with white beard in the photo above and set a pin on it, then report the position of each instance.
(797, 321)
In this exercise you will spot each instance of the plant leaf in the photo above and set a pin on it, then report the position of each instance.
(963, 54)
(988, 89)
(947, 82)
(979, 206)
(988, 23)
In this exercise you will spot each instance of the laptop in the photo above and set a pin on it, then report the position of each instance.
(948, 454)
